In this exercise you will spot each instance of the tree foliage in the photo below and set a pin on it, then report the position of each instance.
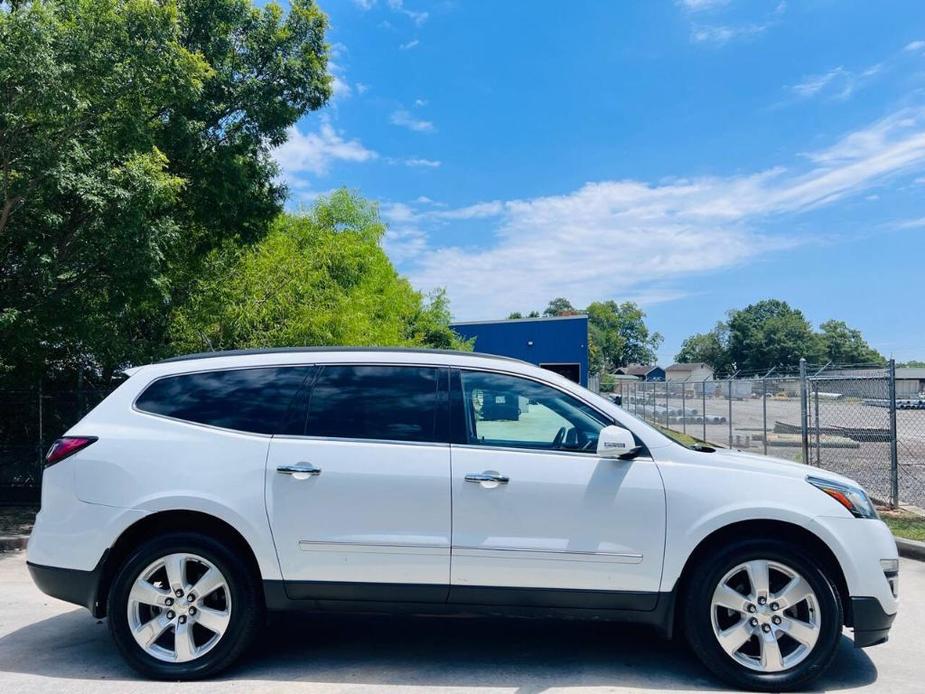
(134, 140)
(770, 333)
(318, 278)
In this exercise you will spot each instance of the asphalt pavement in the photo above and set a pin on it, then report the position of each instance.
(50, 646)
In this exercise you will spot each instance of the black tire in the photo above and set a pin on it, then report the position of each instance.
(246, 614)
(698, 627)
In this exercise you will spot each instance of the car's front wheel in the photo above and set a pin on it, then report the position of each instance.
(763, 615)
(183, 606)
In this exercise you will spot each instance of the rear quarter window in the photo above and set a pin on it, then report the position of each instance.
(252, 400)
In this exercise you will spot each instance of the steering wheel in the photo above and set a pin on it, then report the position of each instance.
(560, 437)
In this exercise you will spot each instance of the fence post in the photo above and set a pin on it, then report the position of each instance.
(684, 405)
(41, 446)
(817, 424)
(729, 397)
(667, 404)
(703, 409)
(894, 453)
(804, 412)
(764, 413)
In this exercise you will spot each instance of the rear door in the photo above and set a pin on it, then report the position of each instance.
(358, 489)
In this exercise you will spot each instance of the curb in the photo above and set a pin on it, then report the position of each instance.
(15, 543)
(911, 549)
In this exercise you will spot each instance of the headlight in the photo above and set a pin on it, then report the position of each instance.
(854, 499)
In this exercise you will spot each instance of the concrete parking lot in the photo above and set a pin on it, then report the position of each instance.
(50, 646)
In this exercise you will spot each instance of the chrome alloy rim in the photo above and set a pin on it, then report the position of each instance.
(765, 616)
(179, 607)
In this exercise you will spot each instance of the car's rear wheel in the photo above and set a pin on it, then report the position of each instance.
(763, 615)
(183, 606)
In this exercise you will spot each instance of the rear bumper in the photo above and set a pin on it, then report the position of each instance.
(71, 585)
(871, 623)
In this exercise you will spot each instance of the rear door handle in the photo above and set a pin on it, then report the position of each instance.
(487, 477)
(299, 469)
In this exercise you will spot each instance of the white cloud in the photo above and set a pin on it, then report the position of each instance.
(408, 46)
(633, 238)
(364, 4)
(403, 118)
(838, 82)
(362, 88)
(420, 102)
(314, 152)
(701, 5)
(420, 162)
(417, 17)
(721, 34)
(813, 84)
(404, 243)
(915, 46)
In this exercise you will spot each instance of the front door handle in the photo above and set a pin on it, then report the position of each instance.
(487, 477)
(299, 469)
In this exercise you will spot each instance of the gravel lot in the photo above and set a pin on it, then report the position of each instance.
(50, 646)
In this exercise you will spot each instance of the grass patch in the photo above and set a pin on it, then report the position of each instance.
(904, 524)
(683, 439)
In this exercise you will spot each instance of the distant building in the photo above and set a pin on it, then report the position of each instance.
(559, 343)
(642, 372)
(910, 382)
(696, 371)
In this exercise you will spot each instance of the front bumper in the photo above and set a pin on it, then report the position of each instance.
(871, 624)
(71, 585)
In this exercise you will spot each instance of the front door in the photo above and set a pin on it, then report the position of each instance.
(359, 501)
(538, 517)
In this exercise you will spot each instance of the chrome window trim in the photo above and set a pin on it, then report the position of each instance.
(340, 439)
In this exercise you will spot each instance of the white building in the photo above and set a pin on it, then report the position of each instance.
(696, 371)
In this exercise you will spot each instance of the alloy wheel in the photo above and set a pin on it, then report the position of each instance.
(765, 616)
(179, 607)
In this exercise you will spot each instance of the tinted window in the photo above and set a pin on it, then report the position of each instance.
(254, 400)
(503, 410)
(397, 403)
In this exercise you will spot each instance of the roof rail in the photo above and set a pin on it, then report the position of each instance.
(285, 350)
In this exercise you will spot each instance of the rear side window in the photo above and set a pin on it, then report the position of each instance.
(252, 400)
(394, 403)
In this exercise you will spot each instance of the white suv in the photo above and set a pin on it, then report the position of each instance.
(209, 489)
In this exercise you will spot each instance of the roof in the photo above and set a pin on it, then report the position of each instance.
(691, 366)
(583, 316)
(639, 369)
(288, 350)
(910, 372)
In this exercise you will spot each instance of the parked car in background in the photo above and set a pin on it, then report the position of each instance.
(207, 490)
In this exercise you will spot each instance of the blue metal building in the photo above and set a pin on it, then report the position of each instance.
(559, 344)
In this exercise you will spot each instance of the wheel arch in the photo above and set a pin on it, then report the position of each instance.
(159, 523)
(768, 529)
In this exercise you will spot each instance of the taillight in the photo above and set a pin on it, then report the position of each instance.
(66, 447)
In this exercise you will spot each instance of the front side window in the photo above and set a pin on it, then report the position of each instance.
(251, 400)
(391, 403)
(503, 410)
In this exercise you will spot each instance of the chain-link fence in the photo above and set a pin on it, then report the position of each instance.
(30, 420)
(847, 420)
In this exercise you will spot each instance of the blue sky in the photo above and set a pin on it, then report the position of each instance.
(693, 156)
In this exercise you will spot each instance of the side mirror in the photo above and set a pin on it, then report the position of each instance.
(616, 442)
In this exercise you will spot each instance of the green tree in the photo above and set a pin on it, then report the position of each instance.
(560, 307)
(618, 335)
(771, 333)
(135, 139)
(844, 345)
(318, 278)
(708, 348)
